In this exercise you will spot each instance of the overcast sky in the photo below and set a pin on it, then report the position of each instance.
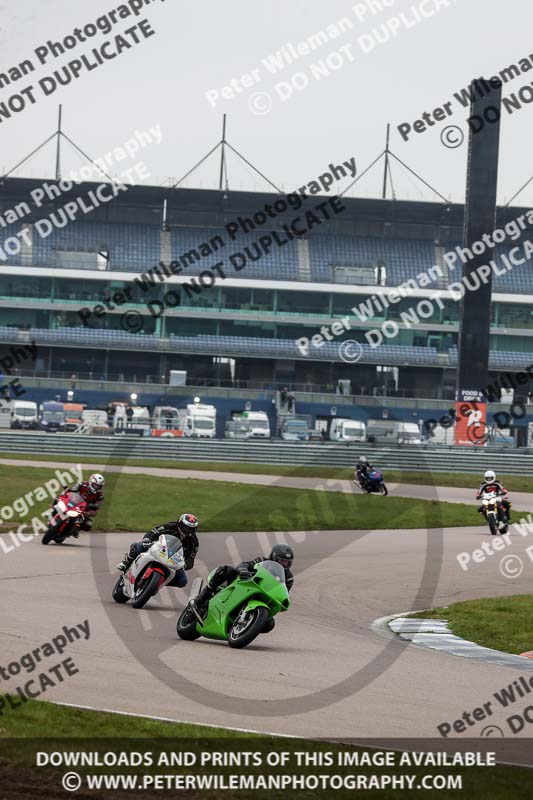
(199, 46)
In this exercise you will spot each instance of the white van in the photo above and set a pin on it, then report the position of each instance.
(347, 430)
(256, 422)
(141, 418)
(95, 420)
(24, 415)
(391, 431)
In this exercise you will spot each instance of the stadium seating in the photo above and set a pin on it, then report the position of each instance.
(130, 247)
(518, 280)
(402, 258)
(280, 262)
(500, 359)
(228, 345)
(6, 233)
(138, 247)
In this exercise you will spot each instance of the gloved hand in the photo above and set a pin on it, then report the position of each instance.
(244, 573)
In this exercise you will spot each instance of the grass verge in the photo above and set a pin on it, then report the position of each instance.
(515, 483)
(47, 728)
(503, 623)
(137, 502)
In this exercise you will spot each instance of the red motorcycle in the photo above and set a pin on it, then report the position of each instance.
(70, 513)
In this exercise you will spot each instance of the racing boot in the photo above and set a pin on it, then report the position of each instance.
(124, 565)
(200, 603)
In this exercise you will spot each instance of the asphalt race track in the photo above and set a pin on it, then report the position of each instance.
(325, 671)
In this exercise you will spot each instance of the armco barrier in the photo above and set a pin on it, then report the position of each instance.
(415, 458)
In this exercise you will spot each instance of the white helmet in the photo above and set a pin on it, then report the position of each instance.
(490, 475)
(363, 460)
(96, 482)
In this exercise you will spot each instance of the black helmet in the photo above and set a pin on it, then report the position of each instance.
(187, 524)
(283, 554)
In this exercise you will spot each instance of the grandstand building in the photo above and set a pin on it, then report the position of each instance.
(79, 293)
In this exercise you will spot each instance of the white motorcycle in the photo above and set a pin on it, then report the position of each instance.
(494, 513)
(150, 572)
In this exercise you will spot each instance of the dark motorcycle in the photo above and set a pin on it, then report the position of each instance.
(373, 483)
(70, 513)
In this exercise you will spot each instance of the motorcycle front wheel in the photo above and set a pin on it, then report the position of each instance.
(118, 592)
(186, 625)
(383, 489)
(247, 627)
(147, 590)
(493, 524)
(49, 535)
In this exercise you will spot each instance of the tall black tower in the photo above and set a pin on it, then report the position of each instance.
(480, 218)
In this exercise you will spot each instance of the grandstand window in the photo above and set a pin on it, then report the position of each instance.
(263, 299)
(79, 290)
(236, 298)
(303, 302)
(506, 315)
(252, 328)
(343, 303)
(208, 298)
(13, 286)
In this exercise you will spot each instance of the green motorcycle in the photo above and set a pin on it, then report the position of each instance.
(239, 612)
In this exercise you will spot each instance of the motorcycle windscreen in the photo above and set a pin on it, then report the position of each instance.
(174, 550)
(275, 569)
(74, 499)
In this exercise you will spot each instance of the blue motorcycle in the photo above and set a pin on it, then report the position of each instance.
(374, 483)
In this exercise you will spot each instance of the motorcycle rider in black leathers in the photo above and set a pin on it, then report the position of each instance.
(281, 553)
(362, 469)
(185, 528)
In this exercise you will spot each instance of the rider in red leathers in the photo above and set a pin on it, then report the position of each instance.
(92, 492)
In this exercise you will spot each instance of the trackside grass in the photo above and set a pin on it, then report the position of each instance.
(137, 502)
(503, 623)
(515, 483)
(47, 728)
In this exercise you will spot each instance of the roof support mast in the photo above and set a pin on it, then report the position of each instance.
(58, 150)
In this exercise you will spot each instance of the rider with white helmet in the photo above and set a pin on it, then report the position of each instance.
(491, 484)
(362, 469)
(92, 492)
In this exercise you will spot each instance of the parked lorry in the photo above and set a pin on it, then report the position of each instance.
(52, 416)
(198, 421)
(391, 431)
(73, 415)
(24, 415)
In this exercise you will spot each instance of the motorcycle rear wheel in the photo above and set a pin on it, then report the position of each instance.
(186, 625)
(241, 637)
(147, 590)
